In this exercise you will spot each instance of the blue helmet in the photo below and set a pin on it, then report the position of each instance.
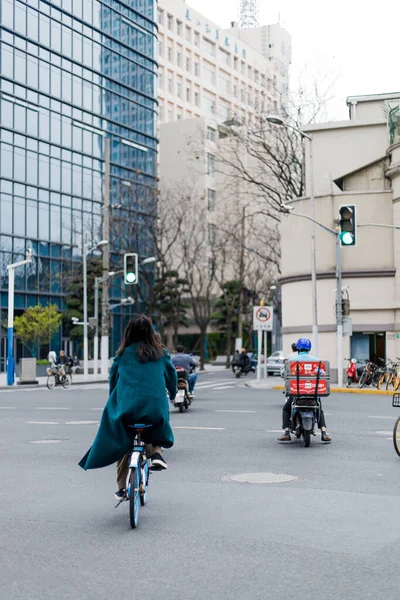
(303, 345)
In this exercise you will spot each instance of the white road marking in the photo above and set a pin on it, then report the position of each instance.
(82, 422)
(45, 442)
(235, 411)
(201, 428)
(378, 417)
(8, 407)
(98, 408)
(214, 384)
(224, 387)
(41, 423)
(274, 430)
(51, 408)
(383, 432)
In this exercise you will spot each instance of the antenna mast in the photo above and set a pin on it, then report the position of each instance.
(249, 13)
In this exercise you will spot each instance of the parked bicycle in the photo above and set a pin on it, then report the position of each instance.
(370, 375)
(396, 428)
(58, 375)
(137, 481)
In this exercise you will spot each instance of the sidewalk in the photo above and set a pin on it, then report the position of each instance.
(270, 385)
(79, 379)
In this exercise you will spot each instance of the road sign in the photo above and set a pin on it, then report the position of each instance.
(263, 317)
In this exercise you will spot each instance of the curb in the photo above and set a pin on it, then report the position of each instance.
(36, 386)
(342, 390)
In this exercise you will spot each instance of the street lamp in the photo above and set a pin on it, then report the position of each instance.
(85, 253)
(276, 120)
(97, 281)
(150, 259)
(10, 332)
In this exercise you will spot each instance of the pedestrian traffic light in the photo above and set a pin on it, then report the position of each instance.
(131, 274)
(347, 225)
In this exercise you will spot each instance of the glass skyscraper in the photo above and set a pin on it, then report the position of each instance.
(72, 73)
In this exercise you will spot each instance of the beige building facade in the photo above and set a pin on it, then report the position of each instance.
(208, 71)
(355, 162)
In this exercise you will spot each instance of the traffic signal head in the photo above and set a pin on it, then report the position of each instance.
(347, 225)
(131, 274)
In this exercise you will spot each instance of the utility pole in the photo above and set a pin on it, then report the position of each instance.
(106, 265)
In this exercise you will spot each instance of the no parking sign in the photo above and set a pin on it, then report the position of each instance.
(263, 317)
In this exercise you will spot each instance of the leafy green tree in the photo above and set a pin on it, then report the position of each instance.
(170, 291)
(226, 313)
(39, 324)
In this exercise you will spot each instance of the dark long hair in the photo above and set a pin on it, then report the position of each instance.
(140, 330)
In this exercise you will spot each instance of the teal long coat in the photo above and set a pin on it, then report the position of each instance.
(137, 390)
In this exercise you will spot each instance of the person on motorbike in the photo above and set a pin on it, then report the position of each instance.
(235, 362)
(303, 346)
(244, 361)
(182, 359)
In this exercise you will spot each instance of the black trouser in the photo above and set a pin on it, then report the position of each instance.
(287, 412)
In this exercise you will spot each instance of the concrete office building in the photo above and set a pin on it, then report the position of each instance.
(72, 73)
(208, 71)
(355, 162)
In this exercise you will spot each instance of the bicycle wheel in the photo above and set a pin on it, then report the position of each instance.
(396, 383)
(396, 436)
(363, 379)
(144, 482)
(134, 496)
(389, 380)
(51, 382)
(380, 381)
(66, 381)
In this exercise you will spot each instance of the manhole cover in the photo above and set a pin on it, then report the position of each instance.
(45, 442)
(260, 478)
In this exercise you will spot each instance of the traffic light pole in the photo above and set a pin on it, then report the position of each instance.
(339, 314)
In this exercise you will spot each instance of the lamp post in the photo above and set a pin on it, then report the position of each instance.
(276, 120)
(85, 253)
(10, 333)
(97, 282)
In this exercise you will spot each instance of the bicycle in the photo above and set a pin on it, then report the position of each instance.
(137, 482)
(368, 376)
(58, 376)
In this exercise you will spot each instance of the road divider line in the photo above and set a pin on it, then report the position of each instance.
(377, 417)
(8, 407)
(51, 408)
(82, 422)
(224, 387)
(200, 428)
(41, 422)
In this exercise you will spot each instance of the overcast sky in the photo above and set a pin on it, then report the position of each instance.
(353, 42)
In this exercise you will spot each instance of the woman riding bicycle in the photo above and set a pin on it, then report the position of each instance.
(139, 375)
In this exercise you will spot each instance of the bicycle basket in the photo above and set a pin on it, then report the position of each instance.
(396, 400)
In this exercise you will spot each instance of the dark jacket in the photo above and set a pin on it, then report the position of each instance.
(137, 393)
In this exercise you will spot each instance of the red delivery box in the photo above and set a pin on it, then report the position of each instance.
(307, 368)
(306, 387)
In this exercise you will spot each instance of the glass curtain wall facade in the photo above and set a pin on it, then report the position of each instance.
(73, 72)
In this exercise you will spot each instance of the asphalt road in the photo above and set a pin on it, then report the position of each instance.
(332, 532)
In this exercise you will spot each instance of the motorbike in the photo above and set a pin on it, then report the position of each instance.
(183, 399)
(352, 372)
(305, 415)
(240, 370)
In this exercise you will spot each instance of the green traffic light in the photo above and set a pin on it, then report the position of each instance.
(347, 238)
(130, 277)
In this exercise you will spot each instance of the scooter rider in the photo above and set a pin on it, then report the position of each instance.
(244, 360)
(303, 346)
(182, 359)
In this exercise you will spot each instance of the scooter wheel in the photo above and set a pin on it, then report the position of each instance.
(307, 438)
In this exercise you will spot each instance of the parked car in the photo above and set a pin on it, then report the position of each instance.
(275, 362)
